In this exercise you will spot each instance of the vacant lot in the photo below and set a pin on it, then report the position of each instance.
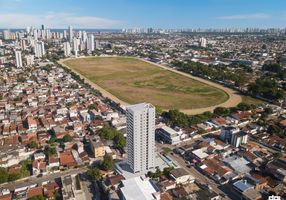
(133, 81)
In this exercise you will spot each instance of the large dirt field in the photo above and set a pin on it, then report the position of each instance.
(132, 81)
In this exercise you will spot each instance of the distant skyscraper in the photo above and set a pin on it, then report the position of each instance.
(70, 34)
(67, 49)
(39, 49)
(18, 56)
(90, 43)
(35, 34)
(43, 27)
(141, 137)
(65, 34)
(6, 34)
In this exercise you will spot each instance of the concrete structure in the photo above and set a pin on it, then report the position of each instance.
(70, 34)
(181, 176)
(169, 135)
(139, 188)
(18, 56)
(90, 43)
(97, 148)
(39, 49)
(203, 42)
(67, 49)
(234, 136)
(239, 139)
(30, 60)
(141, 137)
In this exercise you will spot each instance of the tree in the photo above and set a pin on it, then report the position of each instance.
(3, 175)
(50, 151)
(120, 141)
(166, 170)
(107, 163)
(221, 111)
(107, 132)
(33, 145)
(52, 140)
(67, 138)
(159, 110)
(244, 106)
(93, 174)
(39, 197)
(14, 176)
(92, 107)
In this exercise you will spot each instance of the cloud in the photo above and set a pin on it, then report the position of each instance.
(56, 20)
(246, 16)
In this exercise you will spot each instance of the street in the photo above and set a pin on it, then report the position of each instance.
(38, 180)
(199, 177)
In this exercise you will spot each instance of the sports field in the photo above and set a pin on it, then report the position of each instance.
(132, 81)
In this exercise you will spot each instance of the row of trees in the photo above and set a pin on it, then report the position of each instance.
(267, 88)
(176, 118)
(166, 172)
(221, 73)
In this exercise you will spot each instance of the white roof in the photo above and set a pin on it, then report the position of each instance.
(200, 153)
(138, 188)
(139, 107)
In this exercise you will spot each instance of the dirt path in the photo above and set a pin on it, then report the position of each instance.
(232, 101)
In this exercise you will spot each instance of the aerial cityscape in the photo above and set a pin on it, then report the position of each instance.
(142, 100)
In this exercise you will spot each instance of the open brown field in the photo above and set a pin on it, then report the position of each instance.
(132, 81)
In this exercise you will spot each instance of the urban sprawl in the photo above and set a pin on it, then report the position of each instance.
(60, 138)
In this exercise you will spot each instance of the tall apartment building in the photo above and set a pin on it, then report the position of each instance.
(90, 43)
(39, 49)
(67, 49)
(18, 56)
(70, 34)
(141, 137)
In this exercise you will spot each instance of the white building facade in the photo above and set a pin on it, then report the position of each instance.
(18, 56)
(141, 137)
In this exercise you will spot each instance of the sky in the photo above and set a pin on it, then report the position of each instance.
(143, 13)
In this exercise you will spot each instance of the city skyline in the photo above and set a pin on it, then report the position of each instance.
(142, 14)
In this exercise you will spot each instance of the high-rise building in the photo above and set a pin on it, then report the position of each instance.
(203, 42)
(35, 34)
(141, 137)
(67, 49)
(70, 34)
(1, 43)
(6, 35)
(90, 43)
(39, 49)
(30, 60)
(23, 44)
(43, 27)
(18, 56)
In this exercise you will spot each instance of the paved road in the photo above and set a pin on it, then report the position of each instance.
(233, 100)
(38, 180)
(199, 177)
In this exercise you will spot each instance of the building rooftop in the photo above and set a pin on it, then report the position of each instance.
(242, 185)
(139, 188)
(139, 107)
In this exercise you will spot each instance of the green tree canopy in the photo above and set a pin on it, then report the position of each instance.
(3, 175)
(67, 138)
(93, 174)
(107, 164)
